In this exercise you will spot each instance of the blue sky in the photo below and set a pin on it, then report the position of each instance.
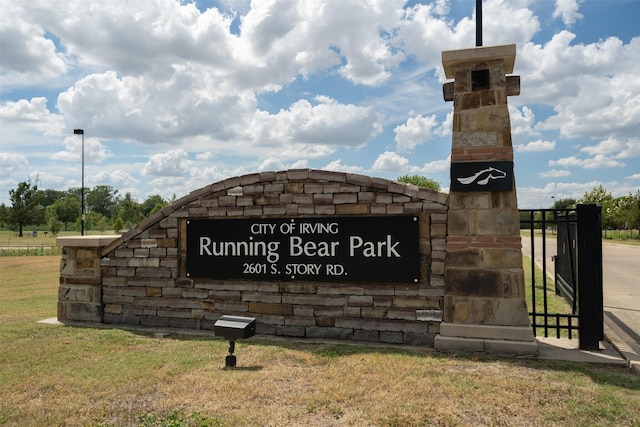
(174, 95)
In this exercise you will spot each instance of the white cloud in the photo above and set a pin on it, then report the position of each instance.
(416, 131)
(554, 173)
(598, 162)
(620, 149)
(12, 163)
(425, 33)
(205, 156)
(328, 123)
(521, 121)
(28, 56)
(437, 166)
(170, 163)
(27, 121)
(94, 150)
(338, 166)
(568, 11)
(117, 178)
(634, 176)
(391, 162)
(538, 145)
(271, 164)
(593, 88)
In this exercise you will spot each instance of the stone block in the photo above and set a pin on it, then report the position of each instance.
(291, 331)
(321, 199)
(455, 344)
(325, 210)
(362, 335)
(501, 258)
(299, 288)
(232, 306)
(275, 210)
(473, 282)
(79, 311)
(401, 314)
(429, 315)
(144, 262)
(352, 311)
(325, 321)
(463, 258)
(266, 308)
(412, 338)
(330, 333)
(319, 300)
(195, 293)
(511, 311)
(470, 200)
(352, 209)
(153, 272)
(497, 222)
(391, 337)
(153, 291)
(374, 312)
(360, 300)
(182, 323)
(113, 309)
(300, 321)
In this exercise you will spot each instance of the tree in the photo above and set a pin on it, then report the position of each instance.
(49, 197)
(66, 209)
(26, 206)
(565, 204)
(52, 220)
(598, 195)
(129, 211)
(102, 199)
(4, 214)
(152, 205)
(118, 225)
(635, 212)
(601, 197)
(420, 181)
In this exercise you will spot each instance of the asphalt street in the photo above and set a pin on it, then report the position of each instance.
(621, 290)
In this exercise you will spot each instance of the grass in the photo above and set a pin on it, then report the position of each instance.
(555, 304)
(73, 376)
(43, 245)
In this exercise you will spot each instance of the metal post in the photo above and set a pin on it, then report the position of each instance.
(590, 298)
(478, 22)
(81, 132)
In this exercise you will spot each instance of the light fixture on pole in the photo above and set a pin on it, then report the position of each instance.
(81, 132)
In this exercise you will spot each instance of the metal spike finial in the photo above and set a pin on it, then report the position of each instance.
(478, 22)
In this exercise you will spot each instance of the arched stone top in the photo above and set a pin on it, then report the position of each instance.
(296, 192)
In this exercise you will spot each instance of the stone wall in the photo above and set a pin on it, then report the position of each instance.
(80, 289)
(142, 276)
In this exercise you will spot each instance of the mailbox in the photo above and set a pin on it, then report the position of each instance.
(233, 328)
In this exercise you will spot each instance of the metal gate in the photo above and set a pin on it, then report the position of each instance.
(576, 271)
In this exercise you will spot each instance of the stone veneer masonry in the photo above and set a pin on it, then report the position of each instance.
(139, 278)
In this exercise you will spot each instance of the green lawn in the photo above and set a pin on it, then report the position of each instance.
(73, 376)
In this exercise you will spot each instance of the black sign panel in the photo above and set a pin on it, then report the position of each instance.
(345, 249)
(482, 176)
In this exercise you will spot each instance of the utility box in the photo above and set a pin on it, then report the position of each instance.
(235, 327)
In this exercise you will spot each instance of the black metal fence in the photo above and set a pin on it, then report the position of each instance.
(576, 269)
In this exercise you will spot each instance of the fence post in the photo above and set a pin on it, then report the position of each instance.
(590, 298)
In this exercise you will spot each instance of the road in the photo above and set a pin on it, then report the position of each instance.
(621, 286)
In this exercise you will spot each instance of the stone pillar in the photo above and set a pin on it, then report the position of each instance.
(484, 305)
(80, 289)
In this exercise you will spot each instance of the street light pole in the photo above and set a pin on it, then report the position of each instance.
(81, 132)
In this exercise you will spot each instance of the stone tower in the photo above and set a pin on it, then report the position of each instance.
(484, 305)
